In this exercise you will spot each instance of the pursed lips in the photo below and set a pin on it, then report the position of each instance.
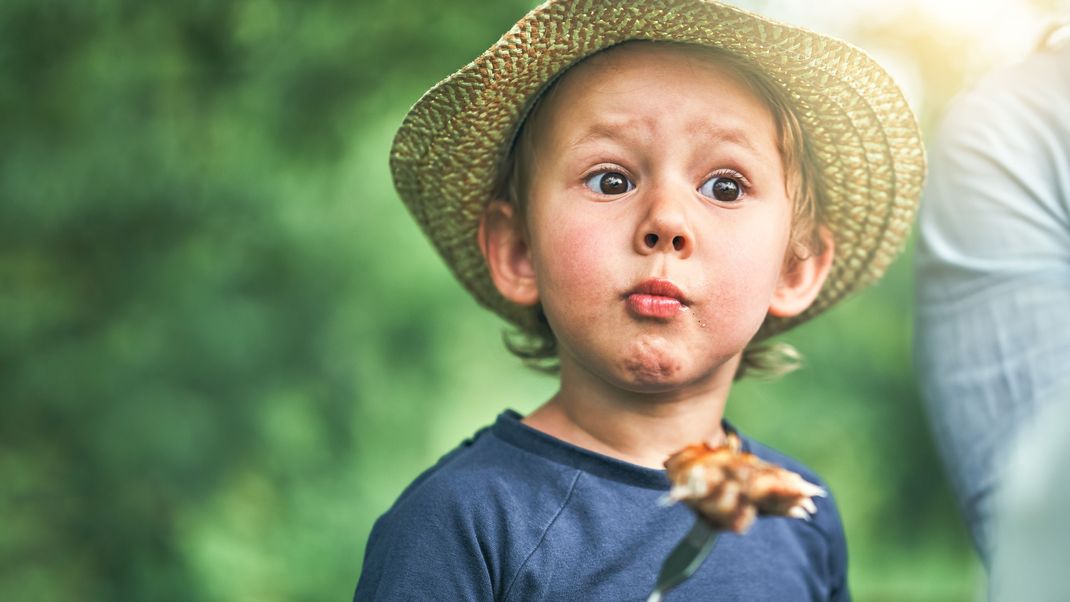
(656, 298)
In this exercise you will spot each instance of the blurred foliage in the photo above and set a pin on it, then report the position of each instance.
(225, 347)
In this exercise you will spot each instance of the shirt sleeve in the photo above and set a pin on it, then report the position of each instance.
(992, 332)
(419, 551)
(831, 524)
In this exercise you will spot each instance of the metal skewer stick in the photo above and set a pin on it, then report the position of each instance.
(685, 558)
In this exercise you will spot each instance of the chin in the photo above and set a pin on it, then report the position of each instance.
(651, 371)
(656, 367)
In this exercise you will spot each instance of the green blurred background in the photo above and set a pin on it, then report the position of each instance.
(225, 348)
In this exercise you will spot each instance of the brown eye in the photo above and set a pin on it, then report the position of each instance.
(609, 182)
(722, 188)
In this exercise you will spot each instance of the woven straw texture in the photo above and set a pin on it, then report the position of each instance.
(448, 151)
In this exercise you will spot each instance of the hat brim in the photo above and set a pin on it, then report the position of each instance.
(448, 151)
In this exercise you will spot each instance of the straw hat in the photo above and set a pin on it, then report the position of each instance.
(447, 154)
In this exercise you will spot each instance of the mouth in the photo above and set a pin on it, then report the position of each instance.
(656, 298)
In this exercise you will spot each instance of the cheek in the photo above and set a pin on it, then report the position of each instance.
(746, 272)
(757, 270)
(573, 256)
(763, 249)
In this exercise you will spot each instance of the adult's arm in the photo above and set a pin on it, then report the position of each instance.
(992, 331)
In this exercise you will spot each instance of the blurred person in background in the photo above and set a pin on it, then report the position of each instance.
(1030, 527)
(992, 336)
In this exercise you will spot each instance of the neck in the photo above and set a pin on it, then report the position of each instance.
(643, 428)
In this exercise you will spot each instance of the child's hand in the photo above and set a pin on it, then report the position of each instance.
(729, 488)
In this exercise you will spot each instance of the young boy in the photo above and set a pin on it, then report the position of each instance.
(647, 190)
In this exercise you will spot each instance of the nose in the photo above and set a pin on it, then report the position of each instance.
(664, 229)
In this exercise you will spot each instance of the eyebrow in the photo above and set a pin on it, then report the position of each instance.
(727, 134)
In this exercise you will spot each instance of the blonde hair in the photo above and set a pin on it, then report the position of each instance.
(535, 342)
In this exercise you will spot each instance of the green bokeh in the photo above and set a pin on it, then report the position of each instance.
(225, 347)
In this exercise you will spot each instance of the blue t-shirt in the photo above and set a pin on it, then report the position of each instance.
(515, 514)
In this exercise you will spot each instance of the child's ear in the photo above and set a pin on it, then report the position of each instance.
(505, 248)
(802, 279)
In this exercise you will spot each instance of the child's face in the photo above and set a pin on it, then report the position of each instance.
(657, 218)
